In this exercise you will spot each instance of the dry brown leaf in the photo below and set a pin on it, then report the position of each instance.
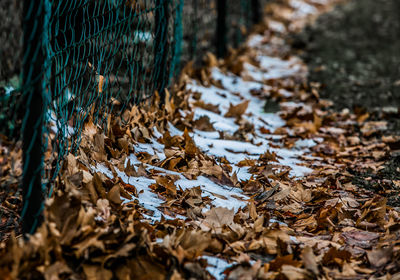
(293, 273)
(94, 272)
(362, 239)
(190, 146)
(219, 216)
(252, 210)
(114, 195)
(380, 257)
(310, 260)
(203, 123)
(236, 111)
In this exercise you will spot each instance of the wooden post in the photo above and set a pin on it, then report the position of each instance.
(32, 75)
(161, 47)
(256, 11)
(221, 34)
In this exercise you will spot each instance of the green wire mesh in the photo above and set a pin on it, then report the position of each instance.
(98, 57)
(102, 52)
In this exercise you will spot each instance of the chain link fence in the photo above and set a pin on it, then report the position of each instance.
(65, 61)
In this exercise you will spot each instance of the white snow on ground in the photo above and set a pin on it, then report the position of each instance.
(215, 191)
(235, 91)
(221, 196)
(173, 131)
(153, 148)
(242, 173)
(233, 151)
(302, 8)
(209, 188)
(305, 143)
(258, 118)
(273, 68)
(216, 266)
(320, 1)
(235, 84)
(255, 40)
(101, 168)
(215, 96)
(276, 26)
(147, 199)
(220, 123)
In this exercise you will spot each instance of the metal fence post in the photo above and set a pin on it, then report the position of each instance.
(256, 11)
(32, 129)
(221, 41)
(161, 46)
(177, 41)
(195, 30)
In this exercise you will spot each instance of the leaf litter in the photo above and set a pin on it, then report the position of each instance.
(213, 186)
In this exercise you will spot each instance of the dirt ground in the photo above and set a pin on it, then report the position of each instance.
(354, 52)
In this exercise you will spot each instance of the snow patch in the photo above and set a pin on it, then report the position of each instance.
(216, 266)
(220, 195)
(101, 168)
(302, 8)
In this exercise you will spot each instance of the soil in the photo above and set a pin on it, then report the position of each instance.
(354, 53)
